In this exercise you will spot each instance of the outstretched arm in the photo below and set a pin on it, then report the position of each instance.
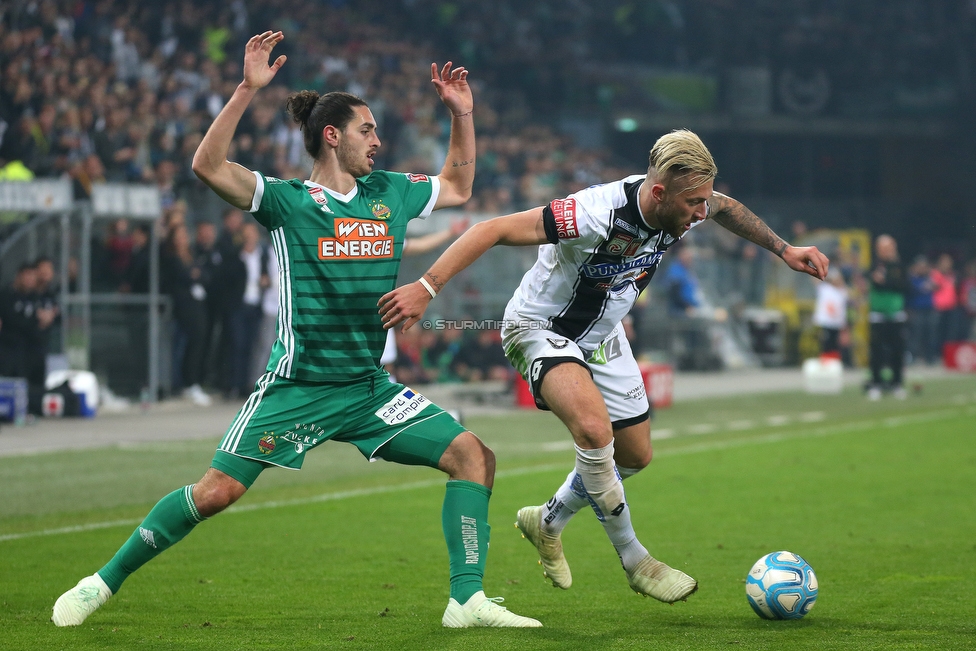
(407, 304)
(738, 219)
(232, 182)
(457, 175)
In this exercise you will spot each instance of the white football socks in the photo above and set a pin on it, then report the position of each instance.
(605, 491)
(569, 499)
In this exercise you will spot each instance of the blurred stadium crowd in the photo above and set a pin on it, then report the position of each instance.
(111, 90)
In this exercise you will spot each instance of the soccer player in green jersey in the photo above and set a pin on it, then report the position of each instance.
(338, 238)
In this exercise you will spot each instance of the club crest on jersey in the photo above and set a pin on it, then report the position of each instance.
(380, 211)
(564, 212)
(357, 239)
(619, 244)
(318, 195)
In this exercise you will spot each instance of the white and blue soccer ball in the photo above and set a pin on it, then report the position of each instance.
(781, 585)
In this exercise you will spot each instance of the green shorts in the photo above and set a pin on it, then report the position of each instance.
(283, 419)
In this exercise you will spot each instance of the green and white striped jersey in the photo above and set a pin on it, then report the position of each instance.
(337, 254)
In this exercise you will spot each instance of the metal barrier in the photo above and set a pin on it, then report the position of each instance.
(61, 228)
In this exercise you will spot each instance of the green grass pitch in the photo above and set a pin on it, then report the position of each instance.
(880, 498)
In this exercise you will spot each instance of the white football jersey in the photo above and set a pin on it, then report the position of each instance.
(601, 256)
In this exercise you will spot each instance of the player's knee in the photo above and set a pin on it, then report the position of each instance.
(469, 459)
(214, 494)
(593, 432)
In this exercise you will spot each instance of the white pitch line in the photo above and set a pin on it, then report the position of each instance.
(530, 470)
(737, 425)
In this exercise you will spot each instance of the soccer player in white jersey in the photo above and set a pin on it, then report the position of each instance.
(599, 249)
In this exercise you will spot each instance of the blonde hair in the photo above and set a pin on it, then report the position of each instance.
(682, 154)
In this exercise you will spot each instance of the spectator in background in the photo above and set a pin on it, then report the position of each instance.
(182, 281)
(137, 279)
(684, 306)
(227, 296)
(922, 317)
(23, 326)
(887, 316)
(209, 259)
(684, 294)
(46, 300)
(830, 313)
(246, 317)
(967, 300)
(482, 358)
(945, 299)
(118, 251)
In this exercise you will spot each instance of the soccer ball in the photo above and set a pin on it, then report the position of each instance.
(781, 585)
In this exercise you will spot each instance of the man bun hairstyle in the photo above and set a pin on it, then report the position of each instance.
(313, 112)
(682, 155)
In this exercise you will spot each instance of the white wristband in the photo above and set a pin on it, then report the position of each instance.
(430, 290)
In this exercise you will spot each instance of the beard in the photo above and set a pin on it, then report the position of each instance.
(669, 218)
(352, 161)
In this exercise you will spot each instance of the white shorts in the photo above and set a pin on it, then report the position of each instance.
(533, 351)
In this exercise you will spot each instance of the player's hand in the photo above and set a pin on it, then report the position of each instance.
(807, 259)
(257, 72)
(404, 305)
(452, 87)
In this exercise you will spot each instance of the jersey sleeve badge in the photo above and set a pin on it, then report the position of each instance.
(564, 211)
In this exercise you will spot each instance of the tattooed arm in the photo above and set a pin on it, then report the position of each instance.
(457, 175)
(738, 219)
(406, 304)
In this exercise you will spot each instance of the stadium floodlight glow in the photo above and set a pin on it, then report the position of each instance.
(626, 125)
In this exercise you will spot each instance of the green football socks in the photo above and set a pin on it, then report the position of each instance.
(170, 520)
(466, 530)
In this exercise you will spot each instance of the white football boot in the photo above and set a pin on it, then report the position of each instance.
(79, 602)
(479, 610)
(652, 578)
(550, 547)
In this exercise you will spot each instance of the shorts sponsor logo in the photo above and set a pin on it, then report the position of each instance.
(637, 393)
(609, 349)
(301, 441)
(403, 407)
(418, 178)
(356, 240)
(618, 244)
(564, 210)
(267, 444)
